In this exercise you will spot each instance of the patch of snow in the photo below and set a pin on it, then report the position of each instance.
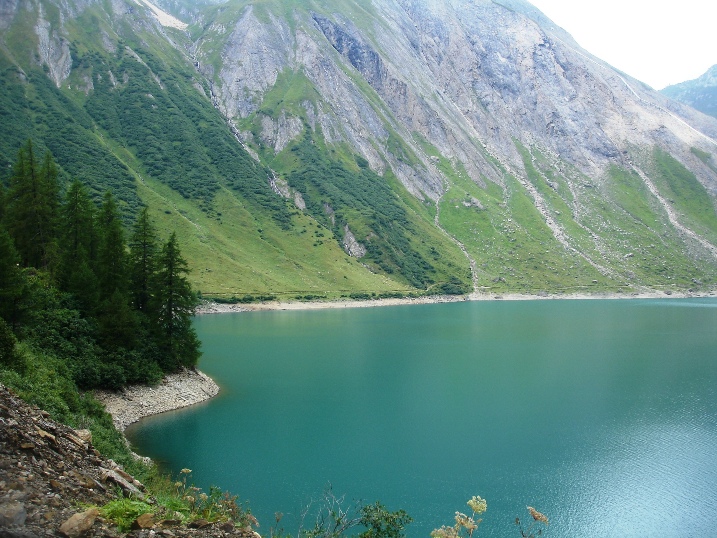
(164, 18)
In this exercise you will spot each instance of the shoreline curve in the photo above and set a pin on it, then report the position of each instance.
(175, 391)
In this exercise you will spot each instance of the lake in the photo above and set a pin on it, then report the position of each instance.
(602, 414)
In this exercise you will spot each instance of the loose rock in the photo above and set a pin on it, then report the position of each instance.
(79, 524)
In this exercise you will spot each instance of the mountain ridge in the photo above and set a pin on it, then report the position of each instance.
(506, 146)
(700, 93)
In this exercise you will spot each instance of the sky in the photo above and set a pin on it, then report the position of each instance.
(659, 42)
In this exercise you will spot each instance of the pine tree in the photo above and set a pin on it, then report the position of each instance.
(142, 260)
(173, 305)
(31, 207)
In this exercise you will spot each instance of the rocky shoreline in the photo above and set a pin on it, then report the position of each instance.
(53, 481)
(185, 388)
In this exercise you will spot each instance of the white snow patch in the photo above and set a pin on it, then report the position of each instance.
(164, 18)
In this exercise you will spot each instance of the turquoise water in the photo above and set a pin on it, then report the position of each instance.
(600, 414)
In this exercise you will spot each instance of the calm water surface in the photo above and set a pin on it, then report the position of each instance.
(601, 414)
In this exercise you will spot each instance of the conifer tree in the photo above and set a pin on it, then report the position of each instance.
(78, 245)
(173, 304)
(31, 207)
(142, 260)
(117, 324)
(11, 281)
(111, 253)
(3, 195)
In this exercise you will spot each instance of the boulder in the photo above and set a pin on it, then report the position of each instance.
(12, 514)
(145, 521)
(79, 524)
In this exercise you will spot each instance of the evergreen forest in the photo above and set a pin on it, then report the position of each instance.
(107, 306)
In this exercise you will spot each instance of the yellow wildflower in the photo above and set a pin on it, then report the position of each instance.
(478, 505)
(537, 516)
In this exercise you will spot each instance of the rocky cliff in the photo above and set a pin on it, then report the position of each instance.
(469, 77)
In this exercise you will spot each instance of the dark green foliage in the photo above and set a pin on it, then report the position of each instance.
(10, 357)
(380, 523)
(338, 196)
(32, 107)
(111, 265)
(174, 131)
(31, 208)
(78, 247)
(84, 317)
(172, 307)
(11, 283)
(143, 260)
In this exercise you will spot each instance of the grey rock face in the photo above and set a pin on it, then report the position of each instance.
(351, 246)
(54, 50)
(467, 77)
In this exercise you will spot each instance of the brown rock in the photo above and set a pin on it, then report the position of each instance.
(113, 476)
(85, 435)
(199, 524)
(227, 526)
(45, 435)
(170, 523)
(145, 521)
(79, 524)
(12, 513)
(77, 441)
(82, 480)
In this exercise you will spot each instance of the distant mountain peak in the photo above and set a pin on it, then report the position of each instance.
(700, 93)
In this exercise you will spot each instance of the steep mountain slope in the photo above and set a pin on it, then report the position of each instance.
(542, 159)
(397, 143)
(119, 105)
(700, 94)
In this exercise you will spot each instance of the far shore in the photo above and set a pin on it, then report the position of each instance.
(190, 386)
(210, 307)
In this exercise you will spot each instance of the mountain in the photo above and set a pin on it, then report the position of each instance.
(325, 148)
(700, 94)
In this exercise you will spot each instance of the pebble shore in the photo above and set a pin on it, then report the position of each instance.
(135, 402)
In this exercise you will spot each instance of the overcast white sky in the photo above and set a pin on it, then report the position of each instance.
(659, 42)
